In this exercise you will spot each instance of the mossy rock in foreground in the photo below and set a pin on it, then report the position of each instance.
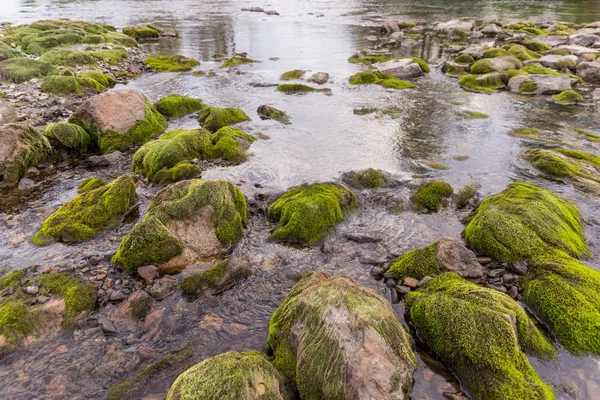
(88, 213)
(213, 118)
(306, 213)
(70, 136)
(174, 63)
(432, 195)
(310, 333)
(70, 85)
(78, 295)
(68, 58)
(16, 321)
(176, 106)
(19, 70)
(217, 278)
(481, 334)
(366, 179)
(90, 184)
(200, 218)
(524, 222)
(230, 376)
(568, 97)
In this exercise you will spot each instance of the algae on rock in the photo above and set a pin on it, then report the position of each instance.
(69, 135)
(213, 119)
(379, 78)
(176, 106)
(366, 179)
(173, 63)
(432, 195)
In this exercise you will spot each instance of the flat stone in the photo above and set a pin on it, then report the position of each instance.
(553, 40)
(491, 29)
(33, 290)
(484, 260)
(117, 296)
(452, 255)
(577, 50)
(546, 84)
(395, 296)
(108, 327)
(410, 282)
(466, 26)
(42, 299)
(148, 272)
(402, 68)
(519, 267)
(153, 319)
(389, 282)
(163, 287)
(401, 289)
(495, 273)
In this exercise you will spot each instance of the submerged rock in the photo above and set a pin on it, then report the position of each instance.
(319, 78)
(176, 106)
(213, 118)
(217, 278)
(268, 112)
(366, 179)
(173, 63)
(21, 147)
(187, 220)
(333, 338)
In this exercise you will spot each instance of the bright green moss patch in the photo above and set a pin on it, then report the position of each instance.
(528, 87)
(432, 195)
(482, 67)
(174, 63)
(217, 278)
(19, 70)
(438, 166)
(473, 114)
(495, 52)
(465, 59)
(568, 97)
(113, 56)
(151, 242)
(70, 85)
(141, 32)
(538, 69)
(297, 88)
(369, 59)
(90, 184)
(30, 148)
(538, 47)
(566, 294)
(230, 376)
(236, 61)
(366, 179)
(16, 321)
(482, 83)
(417, 264)
(523, 53)
(424, 66)
(481, 334)
(69, 135)
(7, 52)
(515, 72)
(88, 213)
(213, 118)
(268, 112)
(68, 58)
(175, 106)
(524, 222)
(13, 279)
(293, 75)
(78, 295)
(306, 213)
(103, 79)
(379, 78)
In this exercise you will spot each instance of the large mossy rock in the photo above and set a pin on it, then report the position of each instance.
(481, 334)
(88, 213)
(169, 158)
(213, 118)
(335, 339)
(230, 376)
(175, 106)
(70, 136)
(21, 147)
(19, 70)
(186, 220)
(119, 119)
(524, 222)
(306, 213)
(78, 295)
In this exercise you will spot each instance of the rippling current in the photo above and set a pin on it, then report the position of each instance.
(325, 139)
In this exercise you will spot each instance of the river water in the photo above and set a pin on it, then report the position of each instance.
(325, 139)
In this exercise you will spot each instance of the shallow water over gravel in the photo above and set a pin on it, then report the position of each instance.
(325, 139)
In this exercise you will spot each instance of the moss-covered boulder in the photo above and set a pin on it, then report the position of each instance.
(213, 118)
(540, 84)
(103, 79)
(496, 64)
(16, 321)
(295, 74)
(379, 78)
(174, 63)
(306, 213)
(141, 32)
(176, 106)
(298, 88)
(70, 85)
(568, 97)
(68, 58)
(230, 376)
(431, 196)
(19, 70)
(186, 221)
(90, 184)
(78, 296)
(236, 61)
(88, 213)
(168, 158)
(268, 112)
(217, 278)
(487, 83)
(482, 335)
(335, 339)
(366, 179)
(70, 136)
(524, 222)
(119, 119)
(21, 147)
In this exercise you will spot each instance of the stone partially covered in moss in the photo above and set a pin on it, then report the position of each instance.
(16, 321)
(268, 112)
(88, 213)
(366, 179)
(104, 80)
(310, 333)
(236, 61)
(21, 147)
(78, 295)
(306, 213)
(69, 135)
(174, 63)
(379, 78)
(483, 83)
(19, 70)
(119, 119)
(186, 221)
(465, 59)
(568, 97)
(565, 293)
(432, 195)
(217, 278)
(230, 376)
(297, 88)
(68, 58)
(70, 85)
(293, 75)
(523, 53)
(213, 118)
(176, 106)
(141, 32)
(524, 222)
(481, 335)
(90, 184)
(13, 279)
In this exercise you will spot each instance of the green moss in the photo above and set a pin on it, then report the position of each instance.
(13, 279)
(526, 133)
(176, 106)
(7, 52)
(495, 52)
(523, 53)
(568, 97)
(293, 75)
(465, 194)
(481, 335)
(90, 184)
(431, 195)
(305, 343)
(230, 376)
(465, 59)
(540, 70)
(473, 114)
(174, 63)
(366, 179)
(369, 60)
(566, 294)
(78, 295)
(296, 88)
(438, 166)
(528, 87)
(482, 67)
(218, 278)
(88, 213)
(19, 70)
(306, 213)
(102, 79)
(523, 222)
(268, 112)
(535, 31)
(68, 58)
(121, 39)
(141, 32)
(379, 78)
(538, 47)
(70, 85)
(424, 66)
(417, 264)
(213, 118)
(150, 242)
(515, 72)
(482, 83)
(31, 148)
(69, 135)
(236, 61)
(16, 321)
(113, 56)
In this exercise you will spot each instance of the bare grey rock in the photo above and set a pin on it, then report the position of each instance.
(448, 26)
(546, 84)
(558, 62)
(553, 40)
(589, 71)
(163, 287)
(8, 113)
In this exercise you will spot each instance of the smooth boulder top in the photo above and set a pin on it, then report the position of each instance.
(8, 113)
(117, 110)
(401, 68)
(546, 84)
(589, 71)
(557, 61)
